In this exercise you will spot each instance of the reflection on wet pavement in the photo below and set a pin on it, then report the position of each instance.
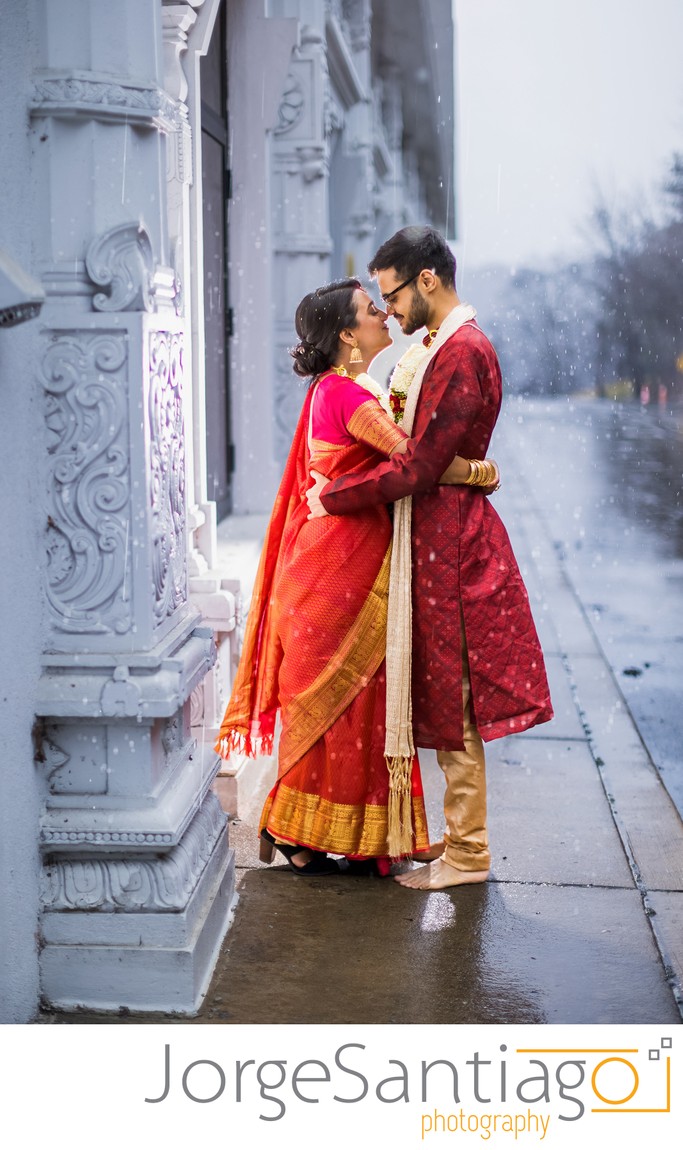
(608, 480)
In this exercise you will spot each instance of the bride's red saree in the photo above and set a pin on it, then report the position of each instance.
(315, 643)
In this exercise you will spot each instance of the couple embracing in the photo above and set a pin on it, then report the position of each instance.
(388, 611)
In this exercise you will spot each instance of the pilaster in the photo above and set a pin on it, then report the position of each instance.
(302, 243)
(137, 872)
(187, 30)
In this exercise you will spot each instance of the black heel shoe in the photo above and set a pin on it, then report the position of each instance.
(364, 868)
(320, 864)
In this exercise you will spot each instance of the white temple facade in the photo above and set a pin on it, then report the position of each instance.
(175, 176)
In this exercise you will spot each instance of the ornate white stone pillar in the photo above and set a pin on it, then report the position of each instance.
(187, 30)
(255, 97)
(301, 237)
(396, 194)
(352, 175)
(137, 872)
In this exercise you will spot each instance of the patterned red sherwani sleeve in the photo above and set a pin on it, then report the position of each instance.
(456, 393)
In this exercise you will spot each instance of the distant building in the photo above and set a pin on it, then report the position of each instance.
(176, 175)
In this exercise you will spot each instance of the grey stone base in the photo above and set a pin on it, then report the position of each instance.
(144, 962)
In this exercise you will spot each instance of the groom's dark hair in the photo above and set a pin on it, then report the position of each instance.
(411, 250)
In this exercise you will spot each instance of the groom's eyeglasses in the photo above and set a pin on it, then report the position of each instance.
(391, 296)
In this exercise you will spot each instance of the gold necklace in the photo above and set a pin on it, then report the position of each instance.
(341, 370)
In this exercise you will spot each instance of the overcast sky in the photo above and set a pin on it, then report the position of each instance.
(556, 97)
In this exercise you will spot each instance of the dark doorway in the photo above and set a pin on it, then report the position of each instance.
(217, 314)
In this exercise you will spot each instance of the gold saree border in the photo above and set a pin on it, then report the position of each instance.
(338, 828)
(356, 660)
(370, 424)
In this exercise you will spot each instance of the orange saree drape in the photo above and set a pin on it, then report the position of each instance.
(314, 650)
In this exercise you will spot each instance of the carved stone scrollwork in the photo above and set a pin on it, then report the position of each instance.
(89, 512)
(53, 758)
(136, 884)
(197, 706)
(171, 738)
(292, 104)
(92, 96)
(122, 260)
(167, 473)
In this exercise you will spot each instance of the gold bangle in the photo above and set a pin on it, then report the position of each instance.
(481, 472)
(472, 477)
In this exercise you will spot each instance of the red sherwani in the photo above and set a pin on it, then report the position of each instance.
(462, 558)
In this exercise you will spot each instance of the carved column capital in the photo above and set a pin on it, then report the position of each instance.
(177, 20)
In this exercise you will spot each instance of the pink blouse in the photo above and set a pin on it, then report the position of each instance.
(344, 413)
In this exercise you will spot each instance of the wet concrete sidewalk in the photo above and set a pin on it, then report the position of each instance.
(582, 919)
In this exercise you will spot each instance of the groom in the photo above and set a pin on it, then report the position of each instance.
(477, 666)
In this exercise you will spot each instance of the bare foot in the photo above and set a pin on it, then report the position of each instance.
(439, 875)
(433, 851)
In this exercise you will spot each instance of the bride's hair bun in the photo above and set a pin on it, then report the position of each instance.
(308, 359)
(320, 318)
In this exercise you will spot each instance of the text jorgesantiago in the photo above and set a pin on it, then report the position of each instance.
(478, 1080)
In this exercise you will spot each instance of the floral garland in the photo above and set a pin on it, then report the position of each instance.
(374, 388)
(402, 377)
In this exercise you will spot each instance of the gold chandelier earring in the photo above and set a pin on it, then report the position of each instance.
(356, 354)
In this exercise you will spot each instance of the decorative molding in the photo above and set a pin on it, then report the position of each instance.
(310, 36)
(313, 163)
(342, 69)
(87, 538)
(333, 115)
(287, 405)
(198, 705)
(120, 696)
(91, 96)
(72, 685)
(294, 243)
(53, 758)
(292, 105)
(122, 260)
(177, 20)
(95, 838)
(167, 473)
(172, 736)
(136, 884)
(180, 161)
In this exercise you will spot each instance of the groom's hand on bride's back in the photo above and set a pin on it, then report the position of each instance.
(315, 507)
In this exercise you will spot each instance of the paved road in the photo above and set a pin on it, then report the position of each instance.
(607, 480)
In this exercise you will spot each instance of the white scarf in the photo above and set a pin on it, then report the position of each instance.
(399, 748)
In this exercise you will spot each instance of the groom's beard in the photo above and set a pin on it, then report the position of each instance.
(417, 315)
